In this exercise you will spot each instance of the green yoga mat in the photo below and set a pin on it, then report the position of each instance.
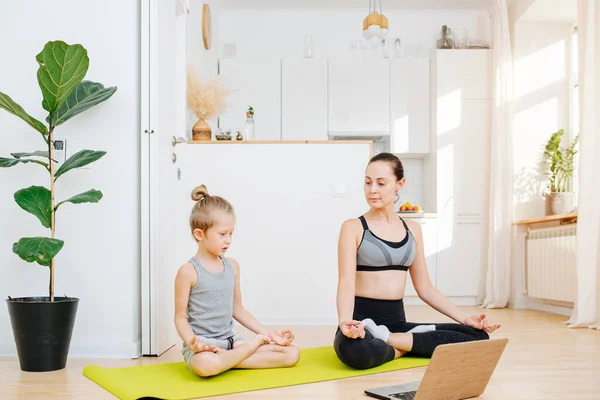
(174, 381)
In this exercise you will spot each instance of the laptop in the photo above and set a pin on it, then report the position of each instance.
(456, 371)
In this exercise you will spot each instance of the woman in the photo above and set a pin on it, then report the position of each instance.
(375, 252)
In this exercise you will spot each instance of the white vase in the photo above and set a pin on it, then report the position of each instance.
(559, 203)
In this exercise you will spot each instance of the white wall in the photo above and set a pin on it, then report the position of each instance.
(100, 260)
(542, 74)
(268, 32)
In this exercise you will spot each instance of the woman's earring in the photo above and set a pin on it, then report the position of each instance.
(397, 197)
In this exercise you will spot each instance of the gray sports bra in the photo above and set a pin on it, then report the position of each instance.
(376, 254)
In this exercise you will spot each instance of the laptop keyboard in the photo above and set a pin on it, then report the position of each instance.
(404, 395)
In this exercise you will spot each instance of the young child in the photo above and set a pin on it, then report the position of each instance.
(208, 298)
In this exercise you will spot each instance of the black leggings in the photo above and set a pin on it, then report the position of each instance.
(371, 352)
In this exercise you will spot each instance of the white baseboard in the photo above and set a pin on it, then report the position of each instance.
(124, 351)
(530, 303)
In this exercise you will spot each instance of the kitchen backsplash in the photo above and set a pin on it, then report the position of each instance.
(413, 189)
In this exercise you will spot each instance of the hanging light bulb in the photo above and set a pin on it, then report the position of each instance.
(374, 23)
(366, 34)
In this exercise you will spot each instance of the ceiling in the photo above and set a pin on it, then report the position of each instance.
(551, 11)
(389, 4)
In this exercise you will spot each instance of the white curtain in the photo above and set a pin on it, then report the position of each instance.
(587, 304)
(497, 275)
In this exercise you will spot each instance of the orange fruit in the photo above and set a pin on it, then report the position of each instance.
(416, 208)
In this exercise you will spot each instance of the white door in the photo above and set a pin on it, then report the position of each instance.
(304, 99)
(162, 202)
(255, 83)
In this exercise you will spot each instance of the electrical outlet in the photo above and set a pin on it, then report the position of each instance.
(60, 150)
(339, 190)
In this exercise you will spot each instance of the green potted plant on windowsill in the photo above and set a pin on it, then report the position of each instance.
(42, 326)
(559, 200)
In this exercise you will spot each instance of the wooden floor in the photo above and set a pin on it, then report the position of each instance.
(543, 360)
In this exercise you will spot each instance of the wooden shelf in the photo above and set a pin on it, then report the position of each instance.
(551, 218)
(280, 142)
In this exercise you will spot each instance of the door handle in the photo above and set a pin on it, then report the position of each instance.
(177, 140)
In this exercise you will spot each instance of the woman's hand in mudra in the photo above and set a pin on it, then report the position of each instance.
(353, 329)
(480, 322)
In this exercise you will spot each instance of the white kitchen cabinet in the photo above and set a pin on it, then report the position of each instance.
(410, 107)
(255, 83)
(466, 73)
(304, 99)
(359, 96)
(429, 229)
(462, 256)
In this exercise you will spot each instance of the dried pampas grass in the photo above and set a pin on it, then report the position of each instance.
(206, 100)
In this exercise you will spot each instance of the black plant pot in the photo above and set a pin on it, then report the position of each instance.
(42, 331)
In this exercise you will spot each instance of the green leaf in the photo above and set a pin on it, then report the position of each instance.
(62, 67)
(9, 105)
(78, 160)
(39, 249)
(36, 200)
(91, 196)
(11, 162)
(40, 153)
(86, 95)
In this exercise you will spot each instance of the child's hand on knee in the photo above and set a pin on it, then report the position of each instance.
(262, 339)
(283, 337)
(197, 346)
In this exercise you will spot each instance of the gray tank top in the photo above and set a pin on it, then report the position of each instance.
(210, 307)
(376, 254)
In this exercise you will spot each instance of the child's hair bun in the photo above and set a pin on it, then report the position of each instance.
(199, 193)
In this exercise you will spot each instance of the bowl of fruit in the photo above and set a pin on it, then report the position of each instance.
(409, 208)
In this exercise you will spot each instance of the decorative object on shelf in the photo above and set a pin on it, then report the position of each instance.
(375, 24)
(206, 100)
(223, 134)
(239, 136)
(397, 48)
(445, 41)
(560, 169)
(206, 26)
(462, 38)
(249, 126)
(42, 326)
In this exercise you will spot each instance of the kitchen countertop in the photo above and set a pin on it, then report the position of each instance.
(417, 215)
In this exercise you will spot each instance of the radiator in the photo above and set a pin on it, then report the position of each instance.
(550, 262)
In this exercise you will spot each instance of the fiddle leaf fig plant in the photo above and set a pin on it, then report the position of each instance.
(62, 68)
